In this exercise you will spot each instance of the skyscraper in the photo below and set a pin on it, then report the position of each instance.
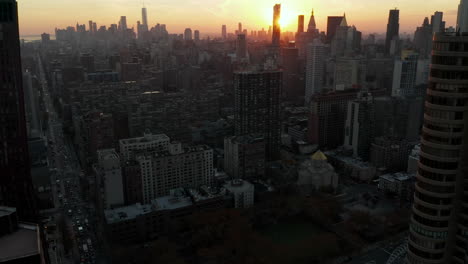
(315, 68)
(276, 25)
(15, 180)
(393, 29)
(239, 28)
(196, 35)
(123, 24)
(438, 25)
(257, 107)
(144, 17)
(438, 227)
(300, 24)
(241, 46)
(188, 34)
(404, 74)
(90, 26)
(332, 24)
(224, 32)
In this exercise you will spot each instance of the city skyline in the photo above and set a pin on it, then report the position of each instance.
(209, 15)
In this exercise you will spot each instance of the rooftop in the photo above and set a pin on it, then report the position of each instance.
(126, 213)
(148, 137)
(6, 210)
(238, 185)
(20, 244)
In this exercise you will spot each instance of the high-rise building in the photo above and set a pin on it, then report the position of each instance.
(188, 34)
(404, 74)
(423, 39)
(300, 24)
(292, 89)
(244, 156)
(144, 17)
(393, 29)
(241, 47)
(257, 107)
(315, 68)
(327, 118)
(196, 35)
(16, 188)
(438, 25)
(128, 147)
(276, 25)
(239, 28)
(359, 130)
(123, 24)
(462, 19)
(332, 24)
(438, 228)
(224, 32)
(90, 26)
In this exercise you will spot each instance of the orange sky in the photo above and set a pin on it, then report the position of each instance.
(37, 16)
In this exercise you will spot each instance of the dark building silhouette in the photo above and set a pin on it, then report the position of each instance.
(276, 25)
(300, 24)
(257, 107)
(393, 29)
(16, 188)
(332, 24)
(224, 32)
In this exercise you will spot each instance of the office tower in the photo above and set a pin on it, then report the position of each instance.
(109, 175)
(188, 34)
(123, 24)
(315, 68)
(359, 129)
(438, 228)
(242, 192)
(312, 28)
(438, 25)
(45, 38)
(292, 88)
(175, 167)
(239, 28)
(90, 26)
(144, 17)
(404, 74)
(423, 39)
(300, 24)
(16, 188)
(327, 118)
(462, 19)
(393, 29)
(244, 157)
(241, 47)
(390, 153)
(257, 107)
(87, 62)
(276, 25)
(341, 41)
(197, 35)
(224, 32)
(332, 24)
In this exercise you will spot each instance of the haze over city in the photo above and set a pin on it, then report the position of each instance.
(38, 16)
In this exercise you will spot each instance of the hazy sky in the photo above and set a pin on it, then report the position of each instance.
(37, 16)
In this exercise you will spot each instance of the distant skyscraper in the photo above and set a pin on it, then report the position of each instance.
(300, 24)
(239, 28)
(123, 23)
(438, 225)
(196, 35)
(315, 68)
(438, 25)
(241, 46)
(393, 29)
(90, 26)
(144, 17)
(276, 25)
(404, 74)
(188, 34)
(257, 107)
(312, 25)
(15, 179)
(462, 20)
(332, 25)
(224, 32)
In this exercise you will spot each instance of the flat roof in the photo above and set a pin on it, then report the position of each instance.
(171, 202)
(146, 138)
(126, 213)
(22, 243)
